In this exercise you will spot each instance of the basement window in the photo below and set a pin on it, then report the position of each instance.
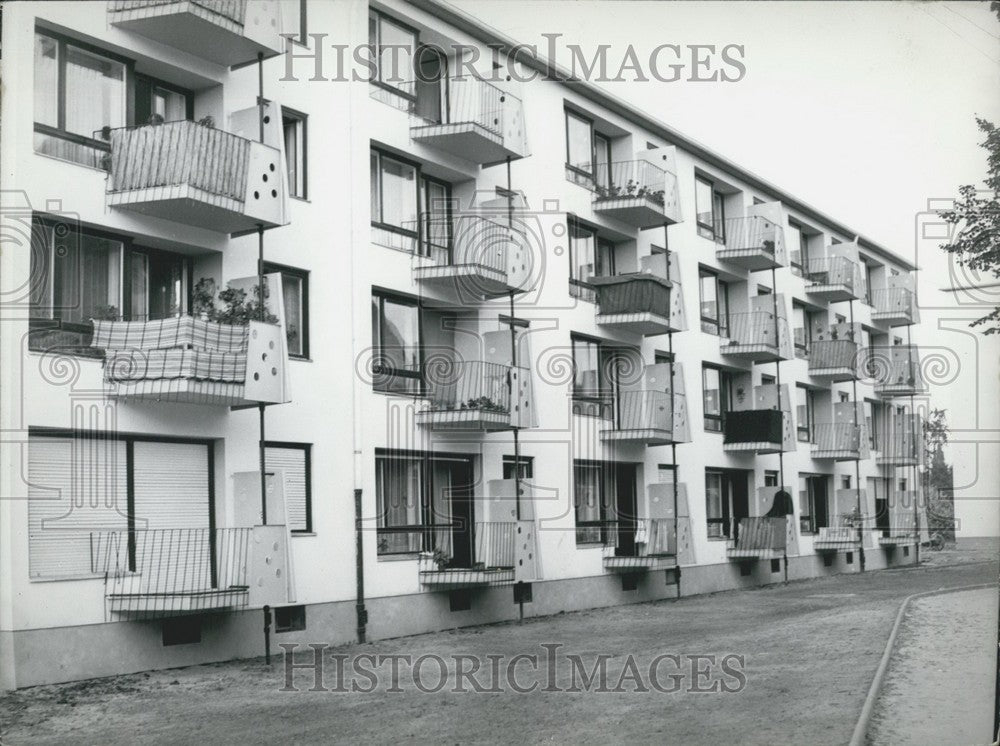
(185, 630)
(290, 619)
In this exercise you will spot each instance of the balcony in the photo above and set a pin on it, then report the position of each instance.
(899, 445)
(638, 192)
(651, 418)
(840, 441)
(463, 559)
(837, 539)
(753, 242)
(639, 545)
(192, 361)
(902, 529)
(833, 360)
(197, 175)
(894, 306)
(639, 303)
(755, 431)
(477, 121)
(896, 370)
(228, 32)
(834, 279)
(485, 258)
(475, 395)
(157, 573)
(759, 538)
(757, 337)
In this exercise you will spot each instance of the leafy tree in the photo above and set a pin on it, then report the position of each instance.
(939, 484)
(976, 216)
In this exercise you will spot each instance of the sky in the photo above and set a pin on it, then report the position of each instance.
(864, 110)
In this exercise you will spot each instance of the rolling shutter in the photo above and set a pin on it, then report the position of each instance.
(76, 486)
(171, 485)
(292, 461)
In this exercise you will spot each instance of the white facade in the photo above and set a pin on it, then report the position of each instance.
(326, 242)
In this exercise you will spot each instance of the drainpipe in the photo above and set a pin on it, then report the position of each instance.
(777, 378)
(916, 485)
(673, 443)
(857, 461)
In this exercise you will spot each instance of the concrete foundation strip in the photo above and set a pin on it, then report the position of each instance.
(864, 720)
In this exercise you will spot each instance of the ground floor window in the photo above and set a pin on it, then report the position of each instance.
(295, 462)
(813, 503)
(593, 490)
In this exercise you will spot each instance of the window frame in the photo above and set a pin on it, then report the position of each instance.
(526, 464)
(417, 181)
(302, 275)
(725, 520)
(716, 231)
(301, 121)
(725, 398)
(806, 347)
(808, 429)
(600, 402)
(374, 47)
(418, 376)
(601, 243)
(799, 268)
(306, 448)
(605, 483)
(720, 323)
(424, 214)
(589, 176)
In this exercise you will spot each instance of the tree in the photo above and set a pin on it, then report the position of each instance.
(938, 486)
(976, 217)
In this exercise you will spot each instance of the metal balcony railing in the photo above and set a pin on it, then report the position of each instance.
(624, 180)
(754, 329)
(751, 426)
(759, 537)
(633, 293)
(489, 545)
(644, 410)
(826, 271)
(230, 10)
(833, 353)
(159, 572)
(899, 442)
(647, 537)
(894, 370)
(469, 385)
(895, 303)
(752, 233)
(837, 437)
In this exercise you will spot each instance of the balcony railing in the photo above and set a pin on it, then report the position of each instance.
(753, 430)
(638, 302)
(638, 192)
(650, 417)
(475, 256)
(193, 361)
(755, 336)
(468, 394)
(227, 32)
(840, 441)
(153, 573)
(639, 544)
(899, 443)
(752, 242)
(833, 359)
(893, 306)
(836, 538)
(195, 174)
(759, 537)
(456, 557)
(468, 117)
(834, 278)
(902, 529)
(895, 370)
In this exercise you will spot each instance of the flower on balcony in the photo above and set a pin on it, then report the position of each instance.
(483, 403)
(236, 309)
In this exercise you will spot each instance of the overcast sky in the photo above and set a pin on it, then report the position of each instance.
(864, 110)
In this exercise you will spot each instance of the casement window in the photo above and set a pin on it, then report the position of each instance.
(525, 467)
(716, 388)
(873, 421)
(593, 383)
(409, 211)
(845, 481)
(710, 210)
(393, 46)
(802, 330)
(159, 101)
(588, 152)
(718, 504)
(80, 92)
(589, 256)
(813, 510)
(770, 478)
(397, 345)
(435, 206)
(798, 248)
(295, 294)
(294, 460)
(294, 130)
(80, 275)
(714, 303)
(80, 485)
(422, 503)
(804, 413)
(593, 491)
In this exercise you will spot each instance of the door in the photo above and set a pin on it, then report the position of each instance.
(737, 485)
(454, 483)
(625, 509)
(431, 85)
(818, 488)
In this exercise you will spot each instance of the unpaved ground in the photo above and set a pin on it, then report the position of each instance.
(933, 692)
(811, 649)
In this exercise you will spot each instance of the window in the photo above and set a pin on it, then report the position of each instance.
(294, 460)
(396, 342)
(157, 101)
(395, 195)
(716, 388)
(716, 504)
(812, 503)
(589, 256)
(714, 303)
(80, 93)
(393, 48)
(845, 481)
(525, 470)
(869, 284)
(289, 618)
(593, 488)
(873, 422)
(295, 294)
(710, 210)
(798, 248)
(770, 478)
(435, 203)
(399, 494)
(804, 409)
(182, 630)
(802, 330)
(293, 126)
(592, 382)
(602, 161)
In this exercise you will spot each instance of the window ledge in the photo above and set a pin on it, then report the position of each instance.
(65, 578)
(95, 169)
(300, 358)
(302, 533)
(398, 557)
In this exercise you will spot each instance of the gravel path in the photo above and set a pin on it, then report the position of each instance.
(811, 649)
(936, 690)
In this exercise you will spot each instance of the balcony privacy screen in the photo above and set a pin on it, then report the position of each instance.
(633, 293)
(753, 426)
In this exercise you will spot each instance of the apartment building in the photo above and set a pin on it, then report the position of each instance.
(520, 347)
